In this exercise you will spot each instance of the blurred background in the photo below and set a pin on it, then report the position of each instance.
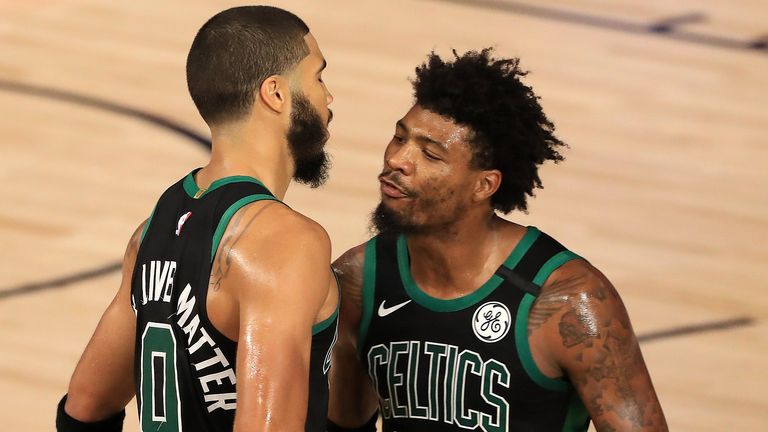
(664, 188)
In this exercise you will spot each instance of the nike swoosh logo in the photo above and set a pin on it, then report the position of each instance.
(384, 311)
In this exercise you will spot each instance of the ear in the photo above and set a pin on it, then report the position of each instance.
(273, 92)
(488, 182)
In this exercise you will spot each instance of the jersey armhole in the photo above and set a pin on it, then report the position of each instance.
(324, 324)
(368, 288)
(146, 226)
(521, 326)
(225, 218)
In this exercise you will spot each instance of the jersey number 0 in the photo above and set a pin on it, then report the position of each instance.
(160, 406)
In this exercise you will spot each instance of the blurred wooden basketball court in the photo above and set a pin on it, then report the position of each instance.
(665, 187)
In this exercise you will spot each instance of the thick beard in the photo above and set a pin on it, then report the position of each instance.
(386, 222)
(306, 137)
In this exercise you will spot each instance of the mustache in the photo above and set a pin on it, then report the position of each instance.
(330, 116)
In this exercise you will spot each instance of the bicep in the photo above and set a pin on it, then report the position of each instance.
(272, 367)
(598, 350)
(279, 298)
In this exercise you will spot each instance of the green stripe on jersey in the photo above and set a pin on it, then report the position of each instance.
(324, 324)
(457, 304)
(577, 417)
(228, 215)
(146, 225)
(552, 264)
(369, 285)
(191, 188)
(530, 237)
(524, 349)
(521, 325)
(317, 328)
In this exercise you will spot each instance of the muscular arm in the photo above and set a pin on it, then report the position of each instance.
(580, 327)
(352, 398)
(281, 275)
(102, 383)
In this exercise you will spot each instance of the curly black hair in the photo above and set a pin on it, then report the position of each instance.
(510, 132)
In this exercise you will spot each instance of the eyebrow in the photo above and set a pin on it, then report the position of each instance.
(421, 137)
(322, 67)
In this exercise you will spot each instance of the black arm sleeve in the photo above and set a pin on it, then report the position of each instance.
(67, 423)
(369, 426)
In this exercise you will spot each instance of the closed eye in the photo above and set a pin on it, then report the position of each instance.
(430, 156)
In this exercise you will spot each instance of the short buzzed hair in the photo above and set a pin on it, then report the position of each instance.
(235, 51)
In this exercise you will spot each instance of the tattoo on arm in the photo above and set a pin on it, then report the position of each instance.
(133, 244)
(234, 232)
(349, 270)
(555, 297)
(604, 359)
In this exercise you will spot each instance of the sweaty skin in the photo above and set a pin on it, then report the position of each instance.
(578, 327)
(270, 312)
(267, 288)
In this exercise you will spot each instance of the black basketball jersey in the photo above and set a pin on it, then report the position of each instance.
(184, 368)
(463, 364)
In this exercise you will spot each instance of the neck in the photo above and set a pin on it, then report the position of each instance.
(461, 257)
(250, 148)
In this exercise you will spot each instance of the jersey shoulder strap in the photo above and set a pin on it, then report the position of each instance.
(543, 256)
(232, 209)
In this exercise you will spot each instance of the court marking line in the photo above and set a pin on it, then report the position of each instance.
(61, 282)
(164, 123)
(653, 336)
(693, 329)
(664, 28)
(105, 105)
(102, 105)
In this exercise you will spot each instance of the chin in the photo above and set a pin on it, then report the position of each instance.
(393, 203)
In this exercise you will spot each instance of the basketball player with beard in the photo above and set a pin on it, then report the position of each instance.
(455, 319)
(223, 277)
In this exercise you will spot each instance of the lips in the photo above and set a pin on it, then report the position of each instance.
(391, 189)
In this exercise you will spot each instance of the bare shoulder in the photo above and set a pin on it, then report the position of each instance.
(135, 241)
(350, 264)
(349, 271)
(290, 225)
(268, 227)
(264, 238)
(588, 335)
(578, 276)
(581, 297)
(132, 250)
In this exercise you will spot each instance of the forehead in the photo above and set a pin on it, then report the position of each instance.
(421, 121)
(315, 55)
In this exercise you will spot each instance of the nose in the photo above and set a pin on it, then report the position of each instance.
(399, 158)
(328, 97)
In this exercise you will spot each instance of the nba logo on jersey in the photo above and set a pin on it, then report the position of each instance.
(182, 219)
(491, 322)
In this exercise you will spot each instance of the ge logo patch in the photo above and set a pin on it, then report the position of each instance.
(491, 322)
